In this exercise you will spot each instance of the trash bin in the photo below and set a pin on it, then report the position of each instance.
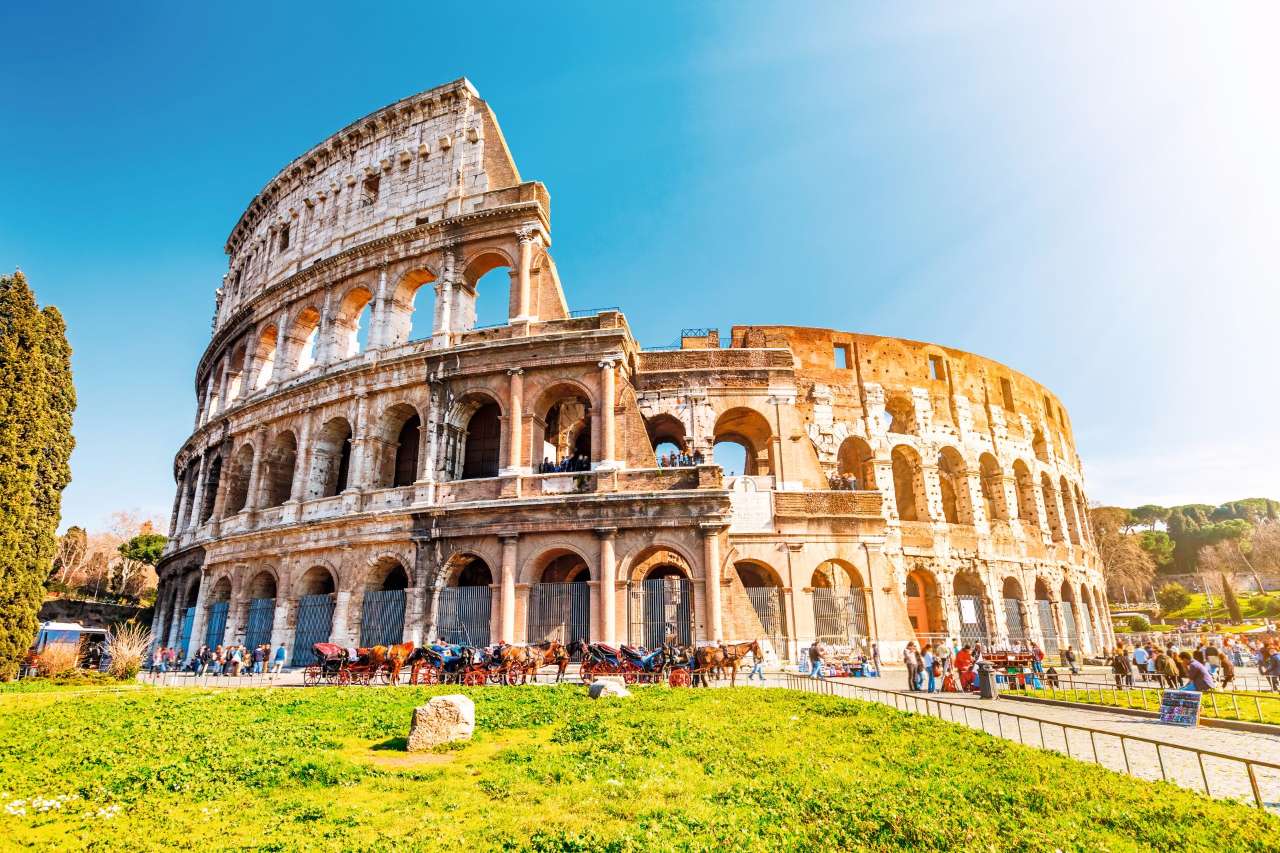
(987, 680)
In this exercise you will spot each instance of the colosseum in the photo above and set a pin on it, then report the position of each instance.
(368, 465)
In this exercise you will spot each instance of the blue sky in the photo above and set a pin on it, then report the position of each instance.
(1087, 194)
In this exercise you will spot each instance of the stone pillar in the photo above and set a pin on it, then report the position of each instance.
(199, 620)
(197, 500)
(977, 503)
(412, 616)
(175, 621)
(247, 378)
(175, 515)
(378, 332)
(515, 420)
(443, 326)
(608, 420)
(280, 632)
(711, 570)
(524, 307)
(340, 632)
(931, 507)
(507, 598)
(607, 590)
(357, 473)
(301, 462)
(253, 500)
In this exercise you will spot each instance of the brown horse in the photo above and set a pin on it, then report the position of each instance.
(515, 661)
(550, 653)
(396, 656)
(733, 655)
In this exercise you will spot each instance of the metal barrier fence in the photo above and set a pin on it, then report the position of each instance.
(1243, 707)
(1166, 754)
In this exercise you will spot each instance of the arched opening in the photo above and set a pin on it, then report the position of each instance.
(277, 476)
(1051, 508)
(484, 297)
(565, 415)
(265, 357)
(993, 495)
(314, 619)
(238, 480)
(382, 608)
(953, 480)
(211, 481)
(216, 617)
(1070, 623)
(350, 326)
(1069, 509)
(667, 437)
(1045, 614)
(560, 599)
(411, 311)
(924, 605)
(764, 601)
(901, 414)
(304, 339)
(661, 599)
(261, 610)
(481, 441)
(186, 626)
(331, 459)
(465, 605)
(908, 484)
(855, 464)
(1015, 617)
(839, 604)
(399, 435)
(971, 597)
(1026, 490)
(749, 430)
(234, 377)
(1039, 446)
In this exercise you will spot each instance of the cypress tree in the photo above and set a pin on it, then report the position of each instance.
(1229, 600)
(36, 403)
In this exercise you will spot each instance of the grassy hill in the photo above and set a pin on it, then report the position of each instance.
(551, 770)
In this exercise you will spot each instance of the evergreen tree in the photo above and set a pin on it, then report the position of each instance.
(1229, 600)
(36, 403)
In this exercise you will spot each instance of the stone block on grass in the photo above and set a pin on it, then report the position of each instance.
(442, 720)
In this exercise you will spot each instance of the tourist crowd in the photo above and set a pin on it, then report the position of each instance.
(220, 660)
(680, 460)
(1210, 663)
(576, 462)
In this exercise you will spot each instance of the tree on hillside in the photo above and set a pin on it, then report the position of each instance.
(1264, 547)
(1172, 597)
(140, 553)
(1126, 566)
(37, 400)
(1223, 559)
(1150, 515)
(70, 558)
(1158, 544)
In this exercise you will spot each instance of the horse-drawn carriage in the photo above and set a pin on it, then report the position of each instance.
(335, 665)
(636, 665)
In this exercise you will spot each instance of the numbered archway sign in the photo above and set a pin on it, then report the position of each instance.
(1180, 707)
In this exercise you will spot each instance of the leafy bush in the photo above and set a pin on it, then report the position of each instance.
(1139, 624)
(57, 659)
(1173, 597)
(128, 647)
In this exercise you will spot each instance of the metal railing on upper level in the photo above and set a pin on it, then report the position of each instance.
(591, 312)
(1169, 757)
(1216, 704)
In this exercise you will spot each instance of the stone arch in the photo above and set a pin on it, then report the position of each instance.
(953, 482)
(304, 340)
(638, 566)
(221, 589)
(756, 574)
(1038, 446)
(977, 622)
(856, 459)
(278, 469)
(264, 583)
(473, 437)
(1049, 494)
(233, 377)
(238, 476)
(993, 494)
(570, 565)
(468, 569)
(403, 312)
(319, 579)
(331, 459)
(264, 356)
(349, 320)
(837, 575)
(750, 430)
(1025, 488)
(660, 595)
(387, 572)
(666, 434)
(1016, 619)
(1069, 510)
(924, 603)
(908, 484)
(564, 415)
(900, 413)
(398, 441)
(213, 477)
(467, 294)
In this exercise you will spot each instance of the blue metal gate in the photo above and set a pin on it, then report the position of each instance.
(973, 619)
(382, 617)
(257, 629)
(559, 611)
(184, 634)
(662, 607)
(463, 614)
(1013, 621)
(840, 618)
(1048, 630)
(315, 621)
(1069, 624)
(217, 623)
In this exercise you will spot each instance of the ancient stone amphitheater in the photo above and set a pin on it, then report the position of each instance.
(368, 465)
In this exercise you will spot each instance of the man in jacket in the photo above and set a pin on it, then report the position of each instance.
(911, 658)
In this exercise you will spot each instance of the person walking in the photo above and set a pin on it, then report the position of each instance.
(1271, 665)
(158, 660)
(815, 660)
(929, 662)
(1121, 668)
(1139, 663)
(911, 658)
(1069, 658)
(1037, 658)
(279, 661)
(757, 667)
(259, 659)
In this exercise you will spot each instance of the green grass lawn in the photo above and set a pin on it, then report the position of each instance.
(1265, 709)
(1252, 607)
(549, 769)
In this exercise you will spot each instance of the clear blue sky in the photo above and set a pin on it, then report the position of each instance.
(1091, 195)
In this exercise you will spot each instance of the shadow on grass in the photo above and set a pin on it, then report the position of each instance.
(395, 744)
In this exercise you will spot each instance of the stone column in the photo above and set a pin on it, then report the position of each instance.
(977, 503)
(711, 570)
(357, 473)
(175, 621)
(443, 326)
(253, 501)
(247, 378)
(608, 421)
(280, 632)
(507, 599)
(930, 509)
(524, 307)
(607, 606)
(177, 508)
(412, 616)
(198, 621)
(515, 420)
(197, 500)
(340, 632)
(301, 460)
(378, 336)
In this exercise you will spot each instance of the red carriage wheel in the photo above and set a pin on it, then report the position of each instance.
(428, 675)
(511, 677)
(473, 677)
(311, 676)
(679, 677)
(344, 676)
(630, 673)
(586, 672)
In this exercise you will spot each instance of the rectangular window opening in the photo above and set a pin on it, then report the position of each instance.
(841, 357)
(284, 237)
(937, 369)
(370, 187)
(1006, 390)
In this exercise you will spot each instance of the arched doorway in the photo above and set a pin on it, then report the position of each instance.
(661, 600)
(261, 612)
(839, 605)
(315, 613)
(382, 608)
(219, 604)
(1070, 626)
(188, 618)
(924, 606)
(560, 601)
(856, 463)
(971, 598)
(1048, 625)
(1014, 613)
(764, 594)
(749, 430)
(483, 439)
(466, 603)
(565, 414)
(331, 459)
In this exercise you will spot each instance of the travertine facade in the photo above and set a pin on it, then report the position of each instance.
(365, 468)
